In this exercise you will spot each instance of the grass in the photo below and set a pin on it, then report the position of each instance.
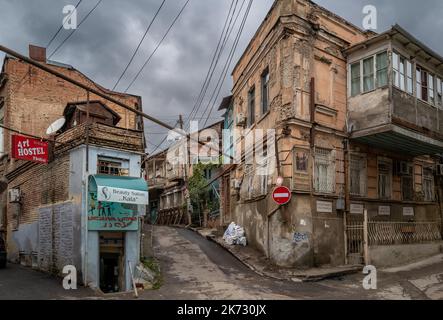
(153, 265)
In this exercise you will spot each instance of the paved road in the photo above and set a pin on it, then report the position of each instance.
(195, 268)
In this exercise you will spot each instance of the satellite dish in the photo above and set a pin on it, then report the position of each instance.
(55, 126)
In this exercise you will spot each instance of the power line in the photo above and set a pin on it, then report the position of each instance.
(215, 59)
(158, 46)
(228, 62)
(73, 31)
(139, 44)
(61, 27)
(164, 139)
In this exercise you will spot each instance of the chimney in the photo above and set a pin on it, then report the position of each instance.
(37, 53)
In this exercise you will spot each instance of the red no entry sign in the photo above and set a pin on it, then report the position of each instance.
(281, 195)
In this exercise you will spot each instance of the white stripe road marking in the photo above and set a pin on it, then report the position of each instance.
(281, 195)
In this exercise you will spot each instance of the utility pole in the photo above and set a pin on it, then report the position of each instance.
(186, 190)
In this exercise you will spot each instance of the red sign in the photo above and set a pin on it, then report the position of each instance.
(281, 195)
(29, 149)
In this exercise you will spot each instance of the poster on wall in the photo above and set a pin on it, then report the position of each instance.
(111, 216)
(29, 149)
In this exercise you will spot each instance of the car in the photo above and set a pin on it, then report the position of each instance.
(2, 253)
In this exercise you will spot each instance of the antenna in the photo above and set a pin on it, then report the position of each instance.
(55, 126)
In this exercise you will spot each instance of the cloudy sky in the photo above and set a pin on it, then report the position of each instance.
(170, 83)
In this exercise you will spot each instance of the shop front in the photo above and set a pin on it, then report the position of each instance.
(115, 207)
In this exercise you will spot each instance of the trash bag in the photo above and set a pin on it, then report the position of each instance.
(235, 235)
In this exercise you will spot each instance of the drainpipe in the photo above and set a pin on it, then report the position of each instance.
(85, 270)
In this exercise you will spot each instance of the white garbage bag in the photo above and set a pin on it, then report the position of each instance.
(235, 235)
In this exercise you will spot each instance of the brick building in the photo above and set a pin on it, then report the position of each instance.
(49, 226)
(325, 85)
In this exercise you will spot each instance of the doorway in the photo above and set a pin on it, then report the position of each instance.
(112, 255)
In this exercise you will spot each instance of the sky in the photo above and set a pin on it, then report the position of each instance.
(171, 82)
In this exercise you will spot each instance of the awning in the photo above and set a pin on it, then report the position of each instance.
(119, 189)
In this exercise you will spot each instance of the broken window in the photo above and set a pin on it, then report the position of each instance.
(358, 175)
(324, 170)
(251, 107)
(382, 69)
(428, 184)
(384, 178)
(368, 74)
(112, 167)
(355, 79)
(265, 91)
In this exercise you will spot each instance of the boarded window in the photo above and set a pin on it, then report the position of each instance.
(384, 179)
(324, 170)
(358, 175)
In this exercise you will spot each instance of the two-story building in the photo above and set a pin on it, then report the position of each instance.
(348, 138)
(70, 211)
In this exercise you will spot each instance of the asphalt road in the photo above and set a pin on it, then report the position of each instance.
(196, 268)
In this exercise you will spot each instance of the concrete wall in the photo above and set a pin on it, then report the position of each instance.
(395, 255)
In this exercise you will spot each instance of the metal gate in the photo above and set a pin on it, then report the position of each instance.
(354, 240)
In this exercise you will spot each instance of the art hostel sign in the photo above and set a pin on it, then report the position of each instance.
(29, 149)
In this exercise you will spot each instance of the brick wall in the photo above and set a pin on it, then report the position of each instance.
(40, 185)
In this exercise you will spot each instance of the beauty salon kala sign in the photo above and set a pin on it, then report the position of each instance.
(109, 194)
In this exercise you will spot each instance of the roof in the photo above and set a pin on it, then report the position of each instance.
(94, 109)
(225, 103)
(403, 36)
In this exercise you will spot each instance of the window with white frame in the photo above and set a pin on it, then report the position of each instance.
(369, 73)
(2, 145)
(384, 178)
(428, 184)
(439, 90)
(324, 170)
(431, 93)
(418, 83)
(355, 79)
(409, 78)
(402, 73)
(358, 175)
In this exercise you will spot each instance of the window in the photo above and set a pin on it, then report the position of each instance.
(409, 80)
(2, 146)
(324, 170)
(424, 84)
(395, 68)
(431, 93)
(402, 73)
(265, 91)
(355, 79)
(251, 107)
(384, 179)
(358, 175)
(301, 161)
(368, 74)
(439, 101)
(418, 82)
(114, 168)
(382, 69)
(407, 181)
(428, 184)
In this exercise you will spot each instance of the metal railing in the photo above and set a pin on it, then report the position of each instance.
(392, 232)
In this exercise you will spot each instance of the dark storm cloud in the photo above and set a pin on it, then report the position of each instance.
(169, 85)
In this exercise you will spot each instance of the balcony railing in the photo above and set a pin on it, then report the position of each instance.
(392, 233)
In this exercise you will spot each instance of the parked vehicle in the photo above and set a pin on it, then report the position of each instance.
(2, 253)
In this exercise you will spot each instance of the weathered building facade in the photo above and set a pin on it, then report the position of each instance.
(294, 78)
(52, 225)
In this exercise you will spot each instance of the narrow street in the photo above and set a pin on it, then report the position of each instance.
(196, 268)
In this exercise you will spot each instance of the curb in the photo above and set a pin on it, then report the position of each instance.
(314, 278)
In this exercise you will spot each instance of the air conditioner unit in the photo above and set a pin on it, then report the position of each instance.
(240, 120)
(439, 169)
(14, 195)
